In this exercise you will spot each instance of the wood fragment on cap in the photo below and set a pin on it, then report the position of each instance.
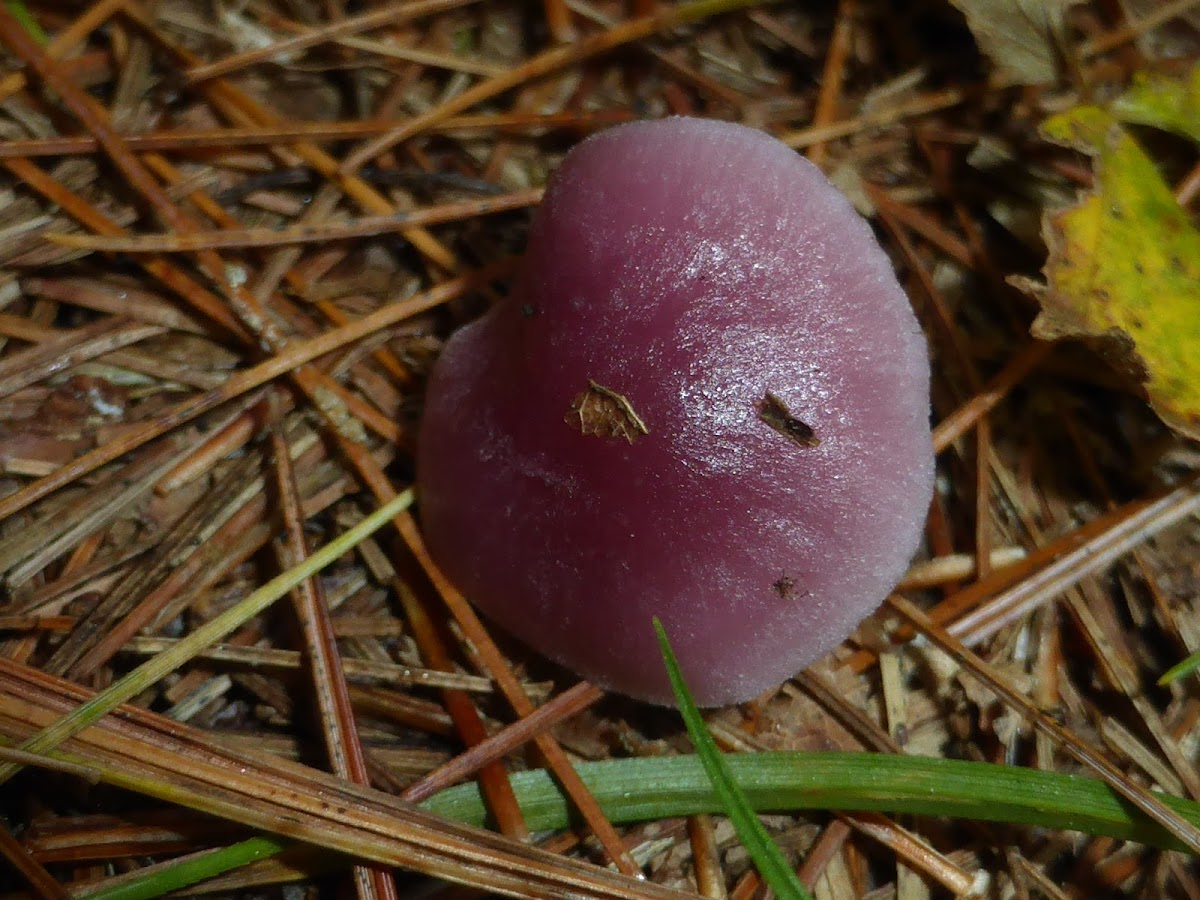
(774, 413)
(605, 413)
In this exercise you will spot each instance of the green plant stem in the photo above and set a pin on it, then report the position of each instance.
(770, 861)
(638, 790)
(196, 868)
(21, 13)
(642, 790)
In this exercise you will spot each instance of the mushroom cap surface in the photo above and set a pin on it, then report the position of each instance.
(706, 399)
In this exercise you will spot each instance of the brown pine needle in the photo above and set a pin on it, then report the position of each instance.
(1090, 757)
(238, 384)
(393, 14)
(232, 238)
(154, 756)
(209, 139)
(335, 717)
(543, 64)
(67, 350)
(503, 742)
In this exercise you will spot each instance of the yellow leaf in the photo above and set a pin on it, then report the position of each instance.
(1167, 103)
(1124, 265)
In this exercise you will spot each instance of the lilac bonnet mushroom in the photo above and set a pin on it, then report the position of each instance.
(706, 399)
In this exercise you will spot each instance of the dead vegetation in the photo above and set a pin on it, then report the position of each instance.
(232, 238)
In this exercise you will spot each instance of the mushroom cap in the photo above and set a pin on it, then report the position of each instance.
(700, 279)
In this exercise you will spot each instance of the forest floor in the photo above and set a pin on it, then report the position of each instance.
(233, 238)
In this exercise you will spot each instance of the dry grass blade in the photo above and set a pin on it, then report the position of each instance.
(152, 755)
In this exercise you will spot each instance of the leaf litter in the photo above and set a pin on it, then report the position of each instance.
(139, 502)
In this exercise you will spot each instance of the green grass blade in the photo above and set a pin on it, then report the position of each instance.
(21, 13)
(772, 865)
(1177, 671)
(649, 789)
(186, 872)
(212, 631)
(640, 790)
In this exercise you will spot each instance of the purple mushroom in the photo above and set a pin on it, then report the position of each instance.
(706, 399)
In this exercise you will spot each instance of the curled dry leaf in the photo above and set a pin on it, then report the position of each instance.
(1022, 38)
